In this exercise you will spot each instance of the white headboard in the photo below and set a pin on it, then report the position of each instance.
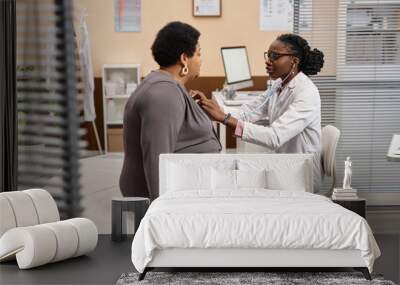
(230, 161)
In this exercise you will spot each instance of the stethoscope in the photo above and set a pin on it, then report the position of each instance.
(272, 90)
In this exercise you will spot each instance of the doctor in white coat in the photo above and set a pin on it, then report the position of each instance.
(292, 103)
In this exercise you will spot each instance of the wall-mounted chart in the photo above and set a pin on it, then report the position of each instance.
(127, 15)
(278, 15)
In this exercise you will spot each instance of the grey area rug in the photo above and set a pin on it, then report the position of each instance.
(243, 278)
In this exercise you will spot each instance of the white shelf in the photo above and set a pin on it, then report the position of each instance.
(121, 65)
(116, 80)
(394, 149)
(126, 96)
(119, 122)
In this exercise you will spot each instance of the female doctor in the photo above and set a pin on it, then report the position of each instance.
(292, 104)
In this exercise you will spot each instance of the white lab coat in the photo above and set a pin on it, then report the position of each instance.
(294, 119)
(89, 111)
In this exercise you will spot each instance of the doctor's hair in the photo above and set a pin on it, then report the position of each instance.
(172, 40)
(311, 61)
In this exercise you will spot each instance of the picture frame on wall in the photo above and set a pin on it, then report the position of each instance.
(207, 8)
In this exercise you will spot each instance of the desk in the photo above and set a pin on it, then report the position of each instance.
(240, 145)
(394, 149)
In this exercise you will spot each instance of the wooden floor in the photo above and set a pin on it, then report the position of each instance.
(99, 184)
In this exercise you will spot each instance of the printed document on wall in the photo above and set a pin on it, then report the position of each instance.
(127, 15)
(278, 15)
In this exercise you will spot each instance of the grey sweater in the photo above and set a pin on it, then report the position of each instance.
(160, 117)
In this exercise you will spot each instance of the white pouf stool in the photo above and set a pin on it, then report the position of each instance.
(31, 231)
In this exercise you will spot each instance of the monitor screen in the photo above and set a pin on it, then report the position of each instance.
(236, 64)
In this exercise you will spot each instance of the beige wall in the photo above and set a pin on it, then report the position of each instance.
(238, 25)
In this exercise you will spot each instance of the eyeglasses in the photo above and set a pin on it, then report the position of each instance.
(272, 56)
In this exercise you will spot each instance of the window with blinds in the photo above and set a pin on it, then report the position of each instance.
(49, 134)
(359, 84)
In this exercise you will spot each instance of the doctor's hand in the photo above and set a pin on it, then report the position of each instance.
(210, 106)
(212, 109)
(197, 95)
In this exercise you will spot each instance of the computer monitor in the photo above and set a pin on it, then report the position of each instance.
(237, 67)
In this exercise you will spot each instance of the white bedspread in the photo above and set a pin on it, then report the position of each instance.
(250, 219)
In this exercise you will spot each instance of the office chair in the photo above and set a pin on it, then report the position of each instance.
(329, 140)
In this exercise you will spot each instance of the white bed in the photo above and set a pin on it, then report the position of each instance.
(220, 210)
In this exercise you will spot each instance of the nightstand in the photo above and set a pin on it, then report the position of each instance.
(137, 205)
(357, 206)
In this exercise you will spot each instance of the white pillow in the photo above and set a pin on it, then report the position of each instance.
(188, 177)
(293, 178)
(223, 179)
(227, 179)
(251, 178)
(283, 172)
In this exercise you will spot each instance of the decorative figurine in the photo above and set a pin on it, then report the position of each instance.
(347, 174)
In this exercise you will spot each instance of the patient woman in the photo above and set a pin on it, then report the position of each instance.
(160, 116)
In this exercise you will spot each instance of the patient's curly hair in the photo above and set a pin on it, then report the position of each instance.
(172, 40)
(311, 61)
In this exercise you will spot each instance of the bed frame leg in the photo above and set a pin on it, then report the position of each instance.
(143, 274)
(364, 271)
